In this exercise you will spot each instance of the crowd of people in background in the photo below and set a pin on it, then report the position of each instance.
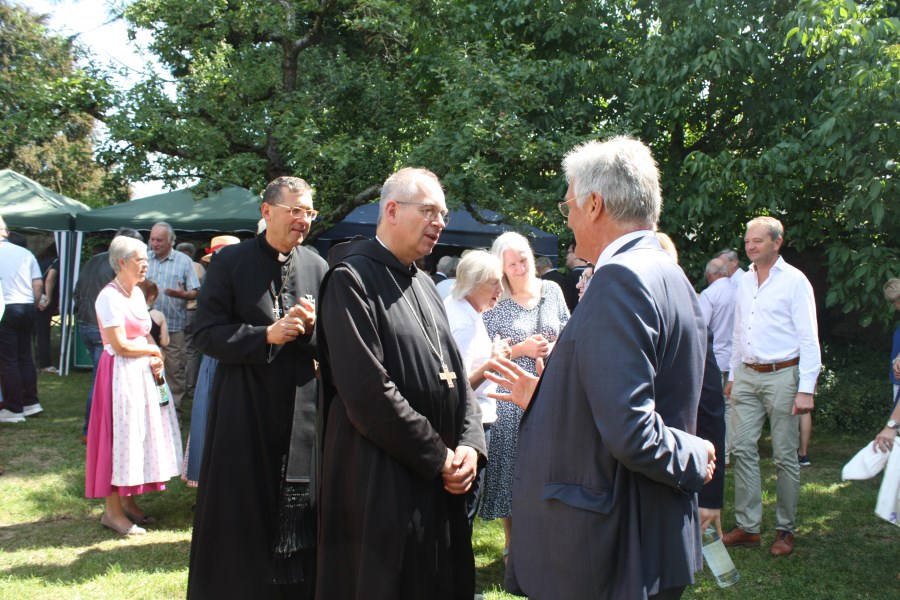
(350, 418)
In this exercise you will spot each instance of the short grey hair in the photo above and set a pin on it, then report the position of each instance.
(729, 255)
(542, 262)
(776, 229)
(717, 266)
(122, 248)
(622, 170)
(129, 232)
(892, 290)
(474, 270)
(512, 241)
(406, 186)
(186, 247)
(445, 263)
(168, 228)
(272, 194)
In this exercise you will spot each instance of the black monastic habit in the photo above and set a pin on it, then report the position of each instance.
(252, 410)
(387, 528)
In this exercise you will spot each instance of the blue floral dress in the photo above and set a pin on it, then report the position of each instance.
(509, 319)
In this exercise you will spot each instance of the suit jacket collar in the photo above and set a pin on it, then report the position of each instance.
(620, 243)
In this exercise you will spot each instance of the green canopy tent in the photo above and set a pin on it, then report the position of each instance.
(227, 210)
(26, 204)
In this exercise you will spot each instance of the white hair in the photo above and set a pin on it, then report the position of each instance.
(622, 170)
(513, 241)
(407, 185)
(474, 270)
(122, 248)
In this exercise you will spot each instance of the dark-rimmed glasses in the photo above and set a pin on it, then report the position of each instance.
(430, 211)
(298, 212)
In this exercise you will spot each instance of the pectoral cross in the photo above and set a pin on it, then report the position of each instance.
(276, 308)
(447, 375)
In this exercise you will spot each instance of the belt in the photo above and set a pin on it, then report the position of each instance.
(772, 367)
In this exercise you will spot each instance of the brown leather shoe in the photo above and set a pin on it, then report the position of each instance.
(784, 543)
(738, 537)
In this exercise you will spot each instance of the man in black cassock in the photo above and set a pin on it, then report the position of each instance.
(254, 532)
(402, 435)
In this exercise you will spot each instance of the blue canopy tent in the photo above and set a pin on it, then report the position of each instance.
(462, 232)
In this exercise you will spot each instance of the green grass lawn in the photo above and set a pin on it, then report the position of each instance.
(52, 544)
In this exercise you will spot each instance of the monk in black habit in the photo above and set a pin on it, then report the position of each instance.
(402, 432)
(254, 521)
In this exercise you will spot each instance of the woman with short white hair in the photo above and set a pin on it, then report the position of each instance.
(479, 285)
(133, 440)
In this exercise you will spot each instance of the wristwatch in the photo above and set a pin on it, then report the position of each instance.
(892, 424)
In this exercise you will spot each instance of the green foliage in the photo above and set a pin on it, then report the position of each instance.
(45, 130)
(787, 109)
(854, 394)
(791, 113)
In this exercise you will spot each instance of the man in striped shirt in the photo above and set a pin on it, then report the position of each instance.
(174, 273)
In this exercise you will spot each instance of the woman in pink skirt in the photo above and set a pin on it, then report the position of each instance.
(134, 445)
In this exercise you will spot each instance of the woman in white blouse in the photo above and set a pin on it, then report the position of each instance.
(479, 285)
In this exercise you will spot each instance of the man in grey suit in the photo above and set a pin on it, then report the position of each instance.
(605, 491)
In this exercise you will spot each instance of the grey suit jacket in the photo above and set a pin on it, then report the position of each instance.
(604, 496)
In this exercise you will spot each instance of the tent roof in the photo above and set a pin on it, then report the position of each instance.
(26, 203)
(229, 209)
(463, 231)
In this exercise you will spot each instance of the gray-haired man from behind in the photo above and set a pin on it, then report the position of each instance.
(717, 305)
(735, 272)
(605, 488)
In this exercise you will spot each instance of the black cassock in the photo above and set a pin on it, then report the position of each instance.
(252, 410)
(387, 528)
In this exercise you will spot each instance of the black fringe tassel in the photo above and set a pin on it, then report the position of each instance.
(296, 532)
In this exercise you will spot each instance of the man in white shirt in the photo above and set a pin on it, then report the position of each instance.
(23, 285)
(717, 305)
(735, 272)
(774, 366)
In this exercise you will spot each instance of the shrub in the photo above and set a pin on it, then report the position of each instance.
(854, 390)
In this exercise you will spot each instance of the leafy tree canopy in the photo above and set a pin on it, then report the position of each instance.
(45, 131)
(788, 109)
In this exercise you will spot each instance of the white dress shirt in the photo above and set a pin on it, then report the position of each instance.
(737, 276)
(18, 270)
(717, 305)
(474, 344)
(445, 287)
(777, 322)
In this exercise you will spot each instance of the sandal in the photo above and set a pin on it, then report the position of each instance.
(132, 530)
(145, 520)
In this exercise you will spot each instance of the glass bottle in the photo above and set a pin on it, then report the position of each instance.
(717, 558)
(162, 389)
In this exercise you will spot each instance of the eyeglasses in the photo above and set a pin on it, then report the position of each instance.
(564, 207)
(430, 211)
(298, 212)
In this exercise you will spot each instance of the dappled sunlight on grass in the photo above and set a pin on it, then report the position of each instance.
(52, 545)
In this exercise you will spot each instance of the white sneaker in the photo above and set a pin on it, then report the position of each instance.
(30, 411)
(8, 416)
(53, 370)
